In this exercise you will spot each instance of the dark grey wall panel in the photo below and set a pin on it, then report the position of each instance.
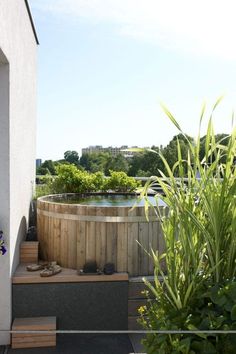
(78, 306)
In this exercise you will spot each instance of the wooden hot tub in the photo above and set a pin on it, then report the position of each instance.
(73, 234)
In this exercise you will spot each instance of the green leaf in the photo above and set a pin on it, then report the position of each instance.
(204, 347)
(191, 327)
(231, 290)
(233, 313)
(208, 348)
(173, 120)
(184, 345)
(218, 296)
(217, 102)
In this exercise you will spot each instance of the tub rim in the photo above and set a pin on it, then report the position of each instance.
(43, 199)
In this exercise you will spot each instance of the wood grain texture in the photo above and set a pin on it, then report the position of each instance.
(133, 246)
(111, 239)
(33, 340)
(109, 234)
(29, 252)
(122, 242)
(22, 276)
(81, 240)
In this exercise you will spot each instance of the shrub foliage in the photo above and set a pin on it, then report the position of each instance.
(70, 179)
(197, 286)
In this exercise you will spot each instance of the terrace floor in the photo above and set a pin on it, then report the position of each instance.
(83, 344)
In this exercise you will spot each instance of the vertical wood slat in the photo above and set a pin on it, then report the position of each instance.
(90, 237)
(51, 208)
(111, 239)
(72, 249)
(46, 232)
(57, 234)
(100, 239)
(153, 243)
(81, 238)
(133, 247)
(71, 243)
(122, 241)
(161, 243)
(152, 240)
(64, 239)
(143, 240)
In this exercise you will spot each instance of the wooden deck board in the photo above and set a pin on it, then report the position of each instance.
(22, 276)
(33, 340)
(34, 323)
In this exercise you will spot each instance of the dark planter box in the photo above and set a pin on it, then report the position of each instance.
(77, 306)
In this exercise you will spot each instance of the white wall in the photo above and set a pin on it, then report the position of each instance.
(17, 140)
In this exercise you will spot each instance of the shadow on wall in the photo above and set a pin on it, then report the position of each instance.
(20, 237)
(33, 213)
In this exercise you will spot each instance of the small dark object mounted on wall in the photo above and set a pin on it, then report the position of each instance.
(109, 268)
(31, 234)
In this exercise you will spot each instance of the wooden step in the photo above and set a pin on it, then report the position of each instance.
(33, 340)
(29, 251)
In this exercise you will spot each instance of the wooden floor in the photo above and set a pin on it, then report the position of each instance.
(22, 276)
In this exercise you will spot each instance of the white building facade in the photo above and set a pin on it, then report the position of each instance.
(18, 47)
(114, 151)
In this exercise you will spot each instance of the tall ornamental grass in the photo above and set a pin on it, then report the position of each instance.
(194, 281)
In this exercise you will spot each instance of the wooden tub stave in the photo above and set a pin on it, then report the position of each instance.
(73, 234)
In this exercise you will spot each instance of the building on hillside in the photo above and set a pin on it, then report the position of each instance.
(114, 151)
(18, 51)
(38, 162)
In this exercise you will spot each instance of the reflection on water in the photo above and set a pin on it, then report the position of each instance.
(107, 200)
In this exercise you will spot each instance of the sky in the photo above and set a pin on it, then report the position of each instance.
(104, 66)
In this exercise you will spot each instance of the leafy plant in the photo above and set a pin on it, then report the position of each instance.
(70, 179)
(120, 182)
(3, 249)
(199, 227)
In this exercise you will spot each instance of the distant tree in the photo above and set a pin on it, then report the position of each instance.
(47, 167)
(145, 164)
(223, 139)
(94, 162)
(170, 152)
(42, 171)
(116, 163)
(136, 164)
(72, 156)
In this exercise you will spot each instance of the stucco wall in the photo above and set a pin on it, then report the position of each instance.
(17, 139)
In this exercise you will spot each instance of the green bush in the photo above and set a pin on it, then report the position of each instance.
(198, 267)
(70, 179)
(45, 186)
(120, 182)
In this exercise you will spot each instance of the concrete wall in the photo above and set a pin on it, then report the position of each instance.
(17, 140)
